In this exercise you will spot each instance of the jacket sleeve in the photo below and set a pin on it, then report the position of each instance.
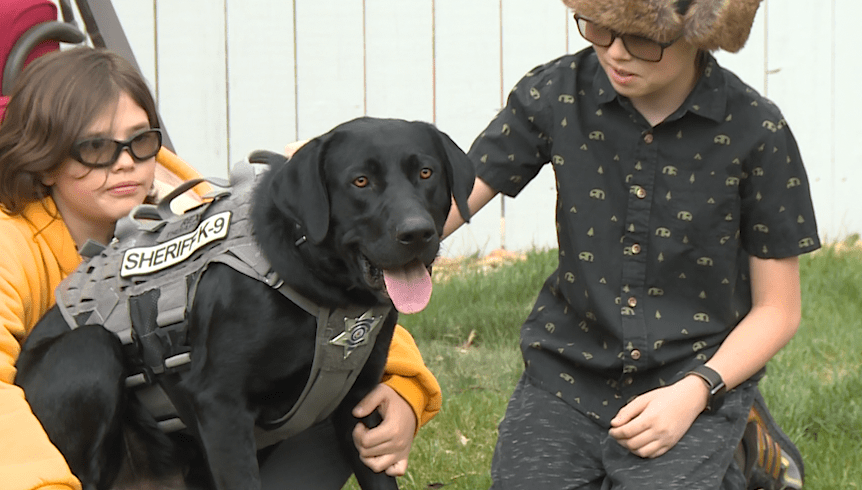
(28, 460)
(407, 374)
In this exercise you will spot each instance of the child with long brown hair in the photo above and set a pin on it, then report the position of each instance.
(80, 147)
(77, 152)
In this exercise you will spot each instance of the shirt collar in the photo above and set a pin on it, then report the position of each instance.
(707, 99)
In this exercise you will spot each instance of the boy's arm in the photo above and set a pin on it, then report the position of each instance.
(773, 320)
(480, 196)
(654, 422)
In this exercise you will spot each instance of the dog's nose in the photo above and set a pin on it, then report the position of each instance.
(415, 231)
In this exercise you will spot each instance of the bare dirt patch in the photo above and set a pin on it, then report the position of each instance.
(446, 267)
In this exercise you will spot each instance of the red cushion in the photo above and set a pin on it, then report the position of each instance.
(16, 17)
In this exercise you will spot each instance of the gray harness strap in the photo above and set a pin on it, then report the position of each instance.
(335, 368)
(157, 260)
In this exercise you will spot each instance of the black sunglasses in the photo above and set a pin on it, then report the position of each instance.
(103, 152)
(639, 47)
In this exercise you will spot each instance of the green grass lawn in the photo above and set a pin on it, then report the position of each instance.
(468, 336)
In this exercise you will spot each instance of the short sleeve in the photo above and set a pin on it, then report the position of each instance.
(515, 145)
(777, 211)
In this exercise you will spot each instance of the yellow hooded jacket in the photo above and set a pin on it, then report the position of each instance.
(37, 253)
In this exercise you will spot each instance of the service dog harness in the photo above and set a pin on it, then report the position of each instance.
(142, 287)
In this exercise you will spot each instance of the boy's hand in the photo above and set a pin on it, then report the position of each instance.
(387, 446)
(291, 148)
(651, 424)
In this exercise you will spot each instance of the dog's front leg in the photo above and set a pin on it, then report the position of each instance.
(74, 384)
(343, 418)
(344, 422)
(226, 429)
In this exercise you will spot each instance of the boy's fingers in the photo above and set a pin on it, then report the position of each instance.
(372, 441)
(376, 463)
(359, 433)
(628, 412)
(624, 433)
(291, 148)
(367, 405)
(397, 469)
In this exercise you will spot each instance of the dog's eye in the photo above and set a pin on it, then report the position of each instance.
(426, 173)
(360, 181)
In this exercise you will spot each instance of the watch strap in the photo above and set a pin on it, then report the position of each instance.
(716, 385)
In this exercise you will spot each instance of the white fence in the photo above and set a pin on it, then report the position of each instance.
(232, 76)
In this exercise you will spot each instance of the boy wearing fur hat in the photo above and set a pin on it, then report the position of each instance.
(682, 208)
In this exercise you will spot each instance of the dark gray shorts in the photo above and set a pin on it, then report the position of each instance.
(545, 443)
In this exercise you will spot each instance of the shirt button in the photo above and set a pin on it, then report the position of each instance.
(648, 138)
(633, 302)
(641, 193)
(628, 381)
(636, 354)
(636, 248)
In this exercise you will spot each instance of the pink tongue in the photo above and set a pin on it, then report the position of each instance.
(409, 287)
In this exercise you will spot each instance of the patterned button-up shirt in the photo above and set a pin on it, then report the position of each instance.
(655, 224)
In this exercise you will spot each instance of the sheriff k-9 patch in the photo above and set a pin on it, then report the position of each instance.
(146, 260)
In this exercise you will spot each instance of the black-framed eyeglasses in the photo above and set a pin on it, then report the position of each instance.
(103, 152)
(639, 47)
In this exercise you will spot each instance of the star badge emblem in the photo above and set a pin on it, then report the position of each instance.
(356, 332)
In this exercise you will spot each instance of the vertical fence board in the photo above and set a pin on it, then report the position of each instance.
(138, 21)
(261, 76)
(142, 38)
(329, 56)
(399, 54)
(844, 131)
(534, 33)
(192, 82)
(467, 36)
(799, 83)
(530, 218)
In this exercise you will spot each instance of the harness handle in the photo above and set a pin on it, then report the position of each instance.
(164, 206)
(151, 217)
(130, 224)
(159, 214)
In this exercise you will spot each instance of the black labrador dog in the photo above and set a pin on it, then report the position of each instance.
(353, 218)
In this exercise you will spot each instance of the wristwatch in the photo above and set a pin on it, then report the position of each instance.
(716, 386)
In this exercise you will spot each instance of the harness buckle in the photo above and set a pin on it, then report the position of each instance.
(273, 280)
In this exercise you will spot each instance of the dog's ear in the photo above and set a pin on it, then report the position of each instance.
(459, 169)
(299, 190)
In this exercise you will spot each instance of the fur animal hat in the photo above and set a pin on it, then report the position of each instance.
(707, 24)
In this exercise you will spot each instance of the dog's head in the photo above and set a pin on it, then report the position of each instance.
(377, 192)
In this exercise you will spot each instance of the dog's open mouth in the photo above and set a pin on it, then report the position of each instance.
(409, 287)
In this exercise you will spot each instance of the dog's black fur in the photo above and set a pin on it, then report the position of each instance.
(369, 195)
